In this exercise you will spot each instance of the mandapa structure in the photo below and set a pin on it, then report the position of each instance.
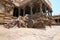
(56, 18)
(22, 7)
(39, 11)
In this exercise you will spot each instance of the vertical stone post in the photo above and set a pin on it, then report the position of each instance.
(41, 8)
(19, 11)
(31, 9)
(58, 21)
(45, 9)
(23, 10)
(51, 13)
(48, 13)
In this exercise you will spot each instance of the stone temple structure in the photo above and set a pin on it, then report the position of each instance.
(22, 7)
(34, 8)
(56, 18)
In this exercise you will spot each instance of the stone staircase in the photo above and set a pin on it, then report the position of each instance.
(4, 18)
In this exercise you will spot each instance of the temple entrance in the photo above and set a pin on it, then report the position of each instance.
(16, 12)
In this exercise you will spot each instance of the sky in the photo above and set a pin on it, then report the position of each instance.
(55, 7)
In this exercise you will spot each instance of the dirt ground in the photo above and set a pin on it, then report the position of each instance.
(30, 33)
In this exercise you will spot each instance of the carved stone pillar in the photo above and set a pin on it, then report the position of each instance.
(23, 10)
(48, 13)
(45, 9)
(19, 11)
(31, 9)
(51, 13)
(41, 8)
(58, 20)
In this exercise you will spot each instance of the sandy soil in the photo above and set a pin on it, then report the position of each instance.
(30, 33)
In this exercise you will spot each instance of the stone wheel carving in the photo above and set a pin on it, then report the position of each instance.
(29, 23)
